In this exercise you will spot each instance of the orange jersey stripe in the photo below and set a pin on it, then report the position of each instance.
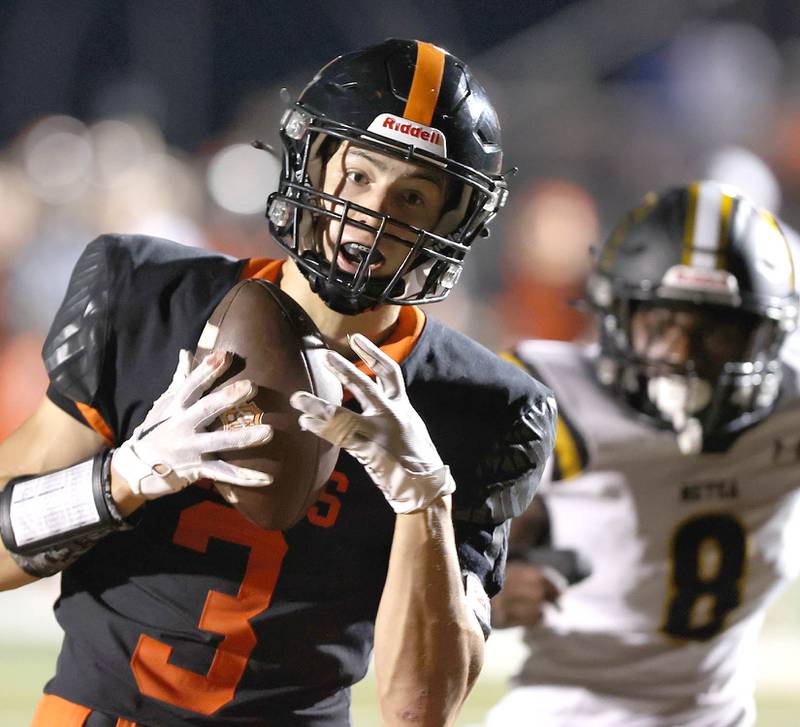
(410, 322)
(96, 422)
(426, 84)
(262, 268)
(53, 711)
(404, 337)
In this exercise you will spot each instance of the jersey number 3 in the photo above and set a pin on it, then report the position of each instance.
(222, 614)
(708, 558)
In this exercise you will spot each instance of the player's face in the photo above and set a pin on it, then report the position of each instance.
(407, 192)
(701, 338)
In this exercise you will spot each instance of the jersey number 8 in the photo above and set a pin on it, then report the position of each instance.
(708, 558)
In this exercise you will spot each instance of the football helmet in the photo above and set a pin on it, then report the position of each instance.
(413, 101)
(704, 258)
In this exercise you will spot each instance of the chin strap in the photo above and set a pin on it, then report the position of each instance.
(334, 294)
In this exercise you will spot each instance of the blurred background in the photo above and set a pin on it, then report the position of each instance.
(136, 116)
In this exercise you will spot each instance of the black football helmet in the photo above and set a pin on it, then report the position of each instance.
(706, 250)
(413, 101)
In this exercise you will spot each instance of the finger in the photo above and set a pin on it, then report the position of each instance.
(524, 614)
(184, 365)
(551, 592)
(167, 403)
(310, 404)
(554, 583)
(386, 368)
(201, 378)
(212, 405)
(362, 387)
(344, 429)
(239, 438)
(233, 475)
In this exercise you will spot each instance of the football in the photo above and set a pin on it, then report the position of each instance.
(277, 346)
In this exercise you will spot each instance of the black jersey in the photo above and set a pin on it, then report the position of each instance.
(198, 617)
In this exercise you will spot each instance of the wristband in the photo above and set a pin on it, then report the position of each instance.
(49, 511)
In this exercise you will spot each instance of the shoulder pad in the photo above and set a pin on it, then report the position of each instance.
(516, 460)
(570, 454)
(491, 422)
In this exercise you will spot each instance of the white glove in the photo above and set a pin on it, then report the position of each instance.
(388, 437)
(170, 448)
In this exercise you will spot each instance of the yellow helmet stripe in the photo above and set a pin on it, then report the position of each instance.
(426, 84)
(688, 228)
(774, 224)
(726, 216)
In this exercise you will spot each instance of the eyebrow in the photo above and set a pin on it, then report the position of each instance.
(419, 173)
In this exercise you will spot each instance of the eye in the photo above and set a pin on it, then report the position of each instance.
(356, 177)
(412, 198)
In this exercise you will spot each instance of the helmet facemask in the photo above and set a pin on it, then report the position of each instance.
(432, 257)
(725, 377)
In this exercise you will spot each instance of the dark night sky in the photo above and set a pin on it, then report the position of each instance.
(189, 62)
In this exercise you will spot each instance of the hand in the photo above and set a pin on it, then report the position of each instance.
(171, 447)
(387, 437)
(526, 589)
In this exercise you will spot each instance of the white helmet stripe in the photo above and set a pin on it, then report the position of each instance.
(703, 236)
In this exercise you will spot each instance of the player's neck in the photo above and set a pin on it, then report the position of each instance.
(374, 324)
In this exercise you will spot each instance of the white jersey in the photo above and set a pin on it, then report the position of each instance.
(687, 553)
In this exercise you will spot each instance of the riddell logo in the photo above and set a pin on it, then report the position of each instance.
(421, 132)
(418, 135)
(692, 278)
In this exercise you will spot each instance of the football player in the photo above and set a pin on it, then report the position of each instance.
(676, 473)
(176, 610)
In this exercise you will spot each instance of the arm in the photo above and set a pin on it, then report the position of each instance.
(50, 439)
(428, 644)
(526, 587)
(167, 452)
(536, 573)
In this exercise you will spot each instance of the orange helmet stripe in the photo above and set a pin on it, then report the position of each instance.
(425, 85)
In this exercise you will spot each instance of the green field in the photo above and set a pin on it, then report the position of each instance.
(24, 671)
(29, 638)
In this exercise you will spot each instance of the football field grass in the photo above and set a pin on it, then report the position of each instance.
(23, 672)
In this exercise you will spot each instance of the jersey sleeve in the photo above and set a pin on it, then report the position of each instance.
(75, 347)
(507, 476)
(131, 303)
(494, 426)
(570, 453)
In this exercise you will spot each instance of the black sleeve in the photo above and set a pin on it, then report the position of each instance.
(132, 302)
(494, 425)
(74, 350)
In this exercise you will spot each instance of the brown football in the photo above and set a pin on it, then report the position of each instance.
(278, 347)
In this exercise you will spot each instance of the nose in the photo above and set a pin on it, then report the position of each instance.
(678, 344)
(376, 202)
(375, 199)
